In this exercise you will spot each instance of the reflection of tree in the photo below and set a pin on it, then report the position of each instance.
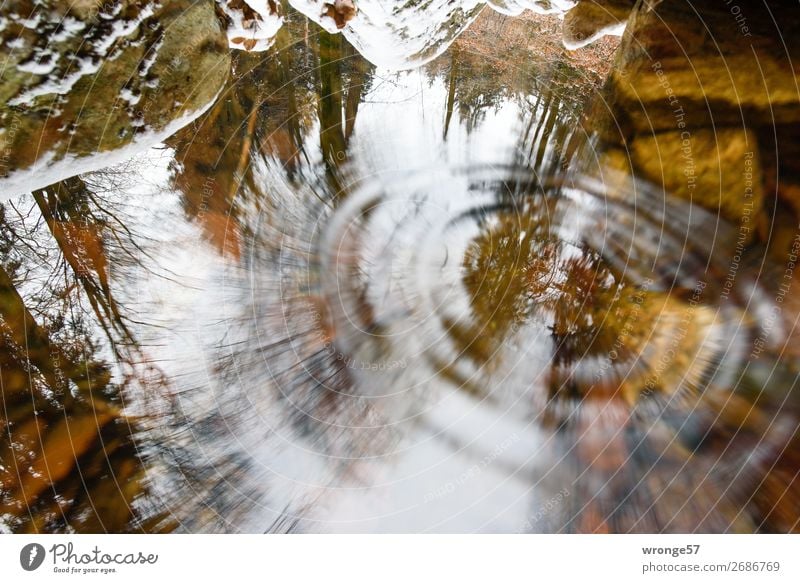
(500, 263)
(497, 62)
(591, 308)
(285, 108)
(517, 267)
(67, 457)
(266, 116)
(343, 80)
(67, 209)
(502, 268)
(331, 131)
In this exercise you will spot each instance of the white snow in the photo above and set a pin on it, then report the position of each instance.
(394, 36)
(44, 67)
(56, 86)
(261, 33)
(16, 43)
(611, 30)
(69, 27)
(127, 95)
(123, 28)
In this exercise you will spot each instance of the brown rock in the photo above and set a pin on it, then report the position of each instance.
(720, 170)
(583, 23)
(719, 64)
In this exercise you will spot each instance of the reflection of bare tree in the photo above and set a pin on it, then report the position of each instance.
(67, 209)
(331, 131)
(487, 69)
(67, 457)
(650, 420)
(358, 82)
(518, 268)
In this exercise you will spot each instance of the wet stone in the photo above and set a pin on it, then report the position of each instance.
(716, 169)
(697, 100)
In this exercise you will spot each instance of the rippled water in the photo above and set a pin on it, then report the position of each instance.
(348, 298)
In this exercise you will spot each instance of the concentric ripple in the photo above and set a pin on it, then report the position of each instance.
(597, 314)
(470, 274)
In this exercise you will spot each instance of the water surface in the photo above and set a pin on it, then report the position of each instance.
(350, 298)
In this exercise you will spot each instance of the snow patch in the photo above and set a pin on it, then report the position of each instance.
(252, 34)
(615, 29)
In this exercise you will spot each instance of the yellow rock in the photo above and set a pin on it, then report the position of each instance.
(720, 170)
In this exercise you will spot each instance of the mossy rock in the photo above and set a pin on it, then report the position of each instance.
(81, 84)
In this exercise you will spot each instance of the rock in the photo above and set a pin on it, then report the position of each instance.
(341, 11)
(79, 87)
(720, 80)
(710, 90)
(719, 170)
(590, 20)
(702, 61)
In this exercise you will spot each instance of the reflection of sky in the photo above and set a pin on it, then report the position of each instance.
(198, 310)
(401, 123)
